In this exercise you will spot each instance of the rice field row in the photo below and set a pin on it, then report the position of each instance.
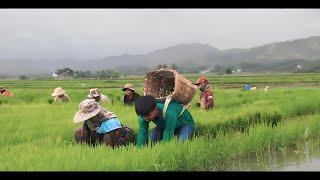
(37, 135)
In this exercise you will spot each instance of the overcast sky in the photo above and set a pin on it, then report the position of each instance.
(96, 33)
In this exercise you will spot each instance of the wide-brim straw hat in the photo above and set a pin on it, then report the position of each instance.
(88, 108)
(128, 86)
(58, 91)
(93, 93)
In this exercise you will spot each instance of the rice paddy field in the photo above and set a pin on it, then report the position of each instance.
(37, 135)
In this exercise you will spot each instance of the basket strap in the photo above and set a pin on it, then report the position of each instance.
(166, 104)
(165, 107)
(183, 109)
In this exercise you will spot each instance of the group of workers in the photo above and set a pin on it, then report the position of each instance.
(129, 97)
(100, 125)
(104, 126)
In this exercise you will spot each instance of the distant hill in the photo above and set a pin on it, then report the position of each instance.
(184, 55)
(199, 54)
(179, 54)
(307, 49)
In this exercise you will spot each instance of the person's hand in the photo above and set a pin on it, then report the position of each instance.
(203, 103)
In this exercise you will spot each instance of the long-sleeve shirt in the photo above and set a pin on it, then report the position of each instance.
(65, 98)
(7, 93)
(169, 124)
(207, 99)
(128, 101)
(105, 99)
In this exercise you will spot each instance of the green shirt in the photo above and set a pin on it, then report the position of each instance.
(169, 124)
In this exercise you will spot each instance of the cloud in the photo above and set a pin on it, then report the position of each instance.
(24, 35)
(95, 33)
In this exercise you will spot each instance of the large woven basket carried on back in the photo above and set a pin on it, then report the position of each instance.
(162, 83)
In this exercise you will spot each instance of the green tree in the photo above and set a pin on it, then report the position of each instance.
(161, 66)
(65, 73)
(109, 73)
(23, 77)
(82, 74)
(174, 66)
(228, 71)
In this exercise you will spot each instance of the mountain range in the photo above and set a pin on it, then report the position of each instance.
(184, 55)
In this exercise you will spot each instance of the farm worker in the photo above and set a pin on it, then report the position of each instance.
(266, 88)
(100, 126)
(175, 120)
(96, 95)
(5, 92)
(130, 96)
(246, 87)
(206, 97)
(60, 95)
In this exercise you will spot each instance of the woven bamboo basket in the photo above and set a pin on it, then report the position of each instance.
(161, 83)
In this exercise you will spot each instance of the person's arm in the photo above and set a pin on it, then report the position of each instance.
(107, 99)
(203, 103)
(210, 100)
(171, 119)
(135, 97)
(143, 132)
(67, 98)
(124, 100)
(86, 131)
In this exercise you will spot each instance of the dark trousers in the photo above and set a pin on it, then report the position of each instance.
(117, 137)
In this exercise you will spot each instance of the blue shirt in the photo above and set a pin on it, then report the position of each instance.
(109, 125)
(247, 87)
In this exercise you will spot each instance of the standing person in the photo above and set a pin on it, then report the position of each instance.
(130, 96)
(96, 95)
(100, 126)
(170, 120)
(206, 97)
(60, 95)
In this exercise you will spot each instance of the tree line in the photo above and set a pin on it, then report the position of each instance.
(67, 73)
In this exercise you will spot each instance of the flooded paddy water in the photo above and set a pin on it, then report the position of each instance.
(301, 157)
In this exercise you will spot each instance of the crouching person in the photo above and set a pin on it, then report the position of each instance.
(60, 95)
(100, 126)
(175, 121)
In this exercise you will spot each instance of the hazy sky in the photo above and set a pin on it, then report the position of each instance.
(96, 33)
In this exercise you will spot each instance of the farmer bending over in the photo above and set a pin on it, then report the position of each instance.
(174, 121)
(96, 95)
(100, 126)
(60, 95)
(130, 96)
(206, 97)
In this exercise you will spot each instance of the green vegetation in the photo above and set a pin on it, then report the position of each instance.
(38, 135)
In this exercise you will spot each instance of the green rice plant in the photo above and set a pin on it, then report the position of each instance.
(37, 135)
(34, 144)
(50, 100)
